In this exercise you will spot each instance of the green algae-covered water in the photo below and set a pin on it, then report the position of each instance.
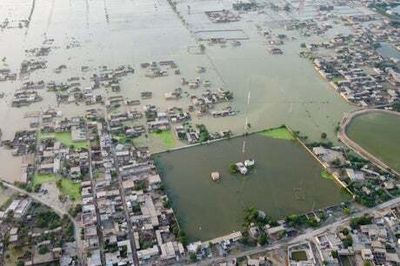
(379, 134)
(286, 180)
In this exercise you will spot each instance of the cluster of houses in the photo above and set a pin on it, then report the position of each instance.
(72, 90)
(25, 97)
(160, 69)
(30, 65)
(308, 27)
(371, 240)
(369, 185)
(31, 234)
(274, 41)
(28, 93)
(23, 143)
(222, 16)
(356, 69)
(7, 75)
(206, 102)
(125, 213)
(157, 120)
(368, 239)
(18, 207)
(53, 157)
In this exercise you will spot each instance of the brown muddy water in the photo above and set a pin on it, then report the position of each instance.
(284, 89)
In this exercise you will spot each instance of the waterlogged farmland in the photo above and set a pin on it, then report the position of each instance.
(286, 180)
(378, 133)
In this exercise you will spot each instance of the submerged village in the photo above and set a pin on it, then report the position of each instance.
(225, 133)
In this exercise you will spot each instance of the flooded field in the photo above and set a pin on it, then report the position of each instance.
(88, 34)
(286, 180)
(378, 133)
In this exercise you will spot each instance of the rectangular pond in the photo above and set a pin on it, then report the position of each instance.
(285, 180)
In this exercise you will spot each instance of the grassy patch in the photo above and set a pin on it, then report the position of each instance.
(122, 139)
(278, 133)
(41, 179)
(5, 197)
(326, 175)
(336, 80)
(70, 188)
(13, 254)
(167, 138)
(65, 138)
(66, 186)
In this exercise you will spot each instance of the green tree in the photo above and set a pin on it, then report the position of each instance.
(43, 250)
(193, 257)
(232, 168)
(263, 239)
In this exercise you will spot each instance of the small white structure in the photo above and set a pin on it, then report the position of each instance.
(249, 163)
(215, 176)
(241, 168)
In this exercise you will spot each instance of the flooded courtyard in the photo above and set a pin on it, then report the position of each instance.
(285, 180)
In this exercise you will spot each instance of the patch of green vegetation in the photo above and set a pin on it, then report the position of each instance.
(337, 79)
(204, 135)
(396, 106)
(65, 138)
(41, 179)
(4, 197)
(299, 255)
(6, 203)
(278, 133)
(74, 210)
(326, 175)
(356, 222)
(232, 168)
(48, 219)
(66, 186)
(12, 255)
(70, 188)
(166, 137)
(295, 220)
(122, 139)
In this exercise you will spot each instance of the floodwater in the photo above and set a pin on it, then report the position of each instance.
(284, 89)
(387, 50)
(378, 133)
(286, 180)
